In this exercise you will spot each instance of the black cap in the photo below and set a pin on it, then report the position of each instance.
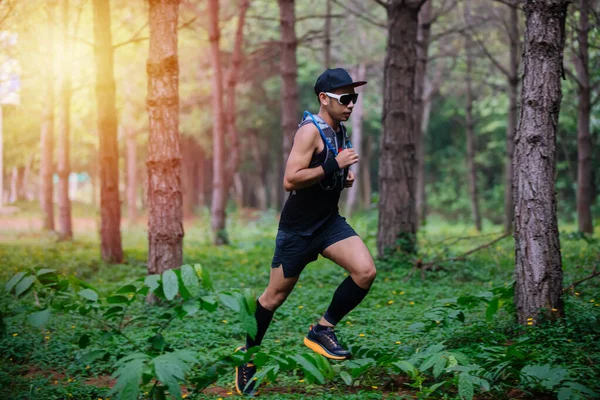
(333, 79)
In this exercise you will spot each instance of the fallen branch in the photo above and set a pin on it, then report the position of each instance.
(593, 275)
(419, 265)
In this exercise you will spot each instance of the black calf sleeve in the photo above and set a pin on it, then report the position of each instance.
(263, 319)
(347, 296)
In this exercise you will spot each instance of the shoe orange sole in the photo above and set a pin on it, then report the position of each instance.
(317, 348)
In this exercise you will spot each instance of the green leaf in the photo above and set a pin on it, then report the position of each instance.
(170, 284)
(24, 285)
(544, 375)
(492, 308)
(309, 368)
(190, 280)
(92, 356)
(407, 367)
(127, 289)
(171, 368)
(117, 299)
(151, 281)
(38, 319)
(248, 322)
(84, 341)
(439, 366)
(13, 281)
(434, 387)
(47, 276)
(191, 307)
(229, 301)
(209, 303)
(128, 378)
(204, 276)
(158, 342)
(465, 386)
(89, 294)
(346, 378)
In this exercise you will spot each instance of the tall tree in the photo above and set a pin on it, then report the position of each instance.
(360, 73)
(289, 85)
(423, 36)
(327, 32)
(47, 129)
(65, 226)
(538, 265)
(231, 110)
(470, 123)
(219, 194)
(398, 157)
(585, 182)
(110, 206)
(165, 209)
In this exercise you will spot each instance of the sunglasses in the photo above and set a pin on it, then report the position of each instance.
(344, 99)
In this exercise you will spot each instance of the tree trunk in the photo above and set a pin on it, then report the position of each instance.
(27, 193)
(14, 183)
(470, 125)
(201, 173)
(398, 158)
(233, 162)
(365, 176)
(423, 35)
(357, 122)
(514, 39)
(110, 206)
(289, 85)
(165, 214)
(131, 146)
(584, 139)
(65, 225)
(47, 130)
(21, 193)
(188, 174)
(219, 191)
(538, 265)
(327, 33)
(261, 174)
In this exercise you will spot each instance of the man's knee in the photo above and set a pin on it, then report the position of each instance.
(273, 299)
(365, 277)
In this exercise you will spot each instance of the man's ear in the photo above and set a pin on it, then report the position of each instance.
(323, 99)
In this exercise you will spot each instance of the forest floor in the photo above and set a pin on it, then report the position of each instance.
(403, 316)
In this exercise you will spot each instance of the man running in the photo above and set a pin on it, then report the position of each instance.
(310, 224)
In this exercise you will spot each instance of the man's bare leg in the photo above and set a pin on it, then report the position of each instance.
(354, 256)
(278, 289)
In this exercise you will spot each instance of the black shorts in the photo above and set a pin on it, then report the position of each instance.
(294, 251)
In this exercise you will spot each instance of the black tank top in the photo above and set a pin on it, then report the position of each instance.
(307, 209)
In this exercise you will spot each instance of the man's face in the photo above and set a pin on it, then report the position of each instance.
(338, 111)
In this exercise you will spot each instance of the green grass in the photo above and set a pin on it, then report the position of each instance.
(384, 321)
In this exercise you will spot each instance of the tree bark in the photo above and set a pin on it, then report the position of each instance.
(514, 40)
(538, 265)
(110, 205)
(233, 162)
(131, 146)
(65, 225)
(165, 214)
(289, 85)
(357, 123)
(219, 192)
(423, 35)
(47, 130)
(470, 125)
(327, 32)
(398, 158)
(261, 174)
(584, 139)
(365, 176)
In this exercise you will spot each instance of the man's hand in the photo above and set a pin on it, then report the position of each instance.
(346, 158)
(349, 180)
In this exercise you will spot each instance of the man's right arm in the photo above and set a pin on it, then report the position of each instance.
(297, 174)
